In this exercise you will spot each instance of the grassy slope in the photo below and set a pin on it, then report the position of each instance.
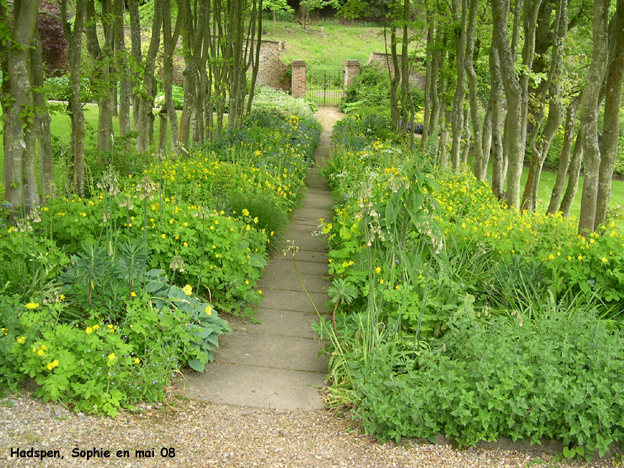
(326, 44)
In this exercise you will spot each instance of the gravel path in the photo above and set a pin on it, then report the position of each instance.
(203, 434)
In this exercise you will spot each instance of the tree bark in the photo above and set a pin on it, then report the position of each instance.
(589, 116)
(170, 40)
(540, 142)
(42, 121)
(564, 159)
(125, 87)
(611, 125)
(513, 93)
(575, 174)
(148, 90)
(479, 169)
(17, 103)
(76, 112)
(100, 79)
(457, 122)
(137, 59)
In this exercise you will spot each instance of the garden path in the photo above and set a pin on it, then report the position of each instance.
(275, 364)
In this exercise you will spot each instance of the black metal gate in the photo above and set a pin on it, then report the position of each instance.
(325, 87)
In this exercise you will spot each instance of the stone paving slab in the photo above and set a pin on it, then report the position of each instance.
(304, 256)
(277, 352)
(283, 280)
(257, 386)
(278, 323)
(309, 268)
(295, 301)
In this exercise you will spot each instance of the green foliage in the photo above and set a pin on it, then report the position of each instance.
(177, 96)
(555, 377)
(262, 211)
(464, 310)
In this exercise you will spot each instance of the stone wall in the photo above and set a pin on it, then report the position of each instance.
(385, 60)
(272, 72)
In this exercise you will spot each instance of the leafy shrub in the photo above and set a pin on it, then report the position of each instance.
(99, 365)
(177, 96)
(261, 210)
(278, 100)
(556, 377)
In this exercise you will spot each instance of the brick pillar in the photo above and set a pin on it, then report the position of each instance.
(298, 78)
(352, 69)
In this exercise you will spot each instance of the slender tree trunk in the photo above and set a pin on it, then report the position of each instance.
(136, 54)
(564, 159)
(125, 86)
(101, 58)
(76, 112)
(479, 169)
(575, 174)
(457, 122)
(540, 142)
(496, 99)
(42, 121)
(513, 93)
(430, 81)
(149, 88)
(611, 125)
(589, 116)
(170, 39)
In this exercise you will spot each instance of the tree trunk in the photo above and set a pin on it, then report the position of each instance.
(136, 54)
(148, 90)
(496, 99)
(479, 169)
(430, 81)
(564, 159)
(42, 121)
(101, 58)
(170, 40)
(575, 174)
(611, 125)
(513, 93)
(125, 87)
(540, 143)
(19, 148)
(457, 122)
(76, 112)
(589, 116)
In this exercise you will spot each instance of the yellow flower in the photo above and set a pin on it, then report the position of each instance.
(62, 297)
(256, 220)
(259, 292)
(378, 270)
(214, 246)
(111, 356)
(95, 327)
(185, 244)
(208, 309)
(40, 352)
(133, 294)
(163, 236)
(89, 330)
(580, 257)
(32, 305)
(604, 259)
(381, 281)
(188, 290)
(21, 339)
(137, 360)
(245, 212)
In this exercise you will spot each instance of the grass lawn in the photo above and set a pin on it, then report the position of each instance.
(326, 44)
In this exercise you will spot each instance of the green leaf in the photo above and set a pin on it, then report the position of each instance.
(197, 365)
